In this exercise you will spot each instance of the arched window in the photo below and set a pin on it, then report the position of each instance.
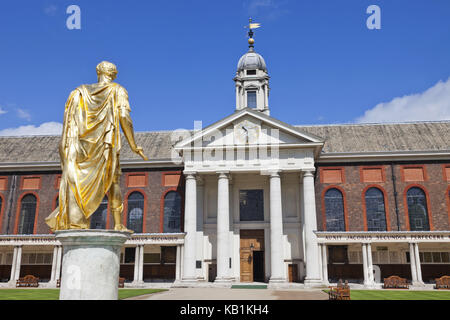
(27, 214)
(98, 218)
(135, 216)
(417, 210)
(334, 210)
(375, 210)
(172, 212)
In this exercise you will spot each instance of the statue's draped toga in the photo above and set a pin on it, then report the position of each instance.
(89, 152)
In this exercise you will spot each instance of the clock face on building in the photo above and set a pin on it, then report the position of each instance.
(246, 132)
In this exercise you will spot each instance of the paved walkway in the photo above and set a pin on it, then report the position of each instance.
(235, 294)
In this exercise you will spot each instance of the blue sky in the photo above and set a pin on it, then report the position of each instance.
(177, 59)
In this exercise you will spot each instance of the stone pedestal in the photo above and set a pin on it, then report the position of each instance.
(90, 268)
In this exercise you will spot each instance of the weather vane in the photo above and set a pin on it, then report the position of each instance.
(251, 26)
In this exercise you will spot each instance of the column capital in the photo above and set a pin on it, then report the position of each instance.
(274, 173)
(189, 174)
(308, 172)
(223, 174)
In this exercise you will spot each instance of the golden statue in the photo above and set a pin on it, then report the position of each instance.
(89, 151)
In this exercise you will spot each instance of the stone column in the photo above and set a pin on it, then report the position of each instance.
(324, 264)
(190, 226)
(313, 277)
(12, 277)
(55, 256)
(91, 263)
(418, 264)
(58, 263)
(276, 230)
(365, 264)
(18, 263)
(370, 264)
(136, 264)
(412, 259)
(200, 231)
(141, 264)
(223, 228)
(178, 264)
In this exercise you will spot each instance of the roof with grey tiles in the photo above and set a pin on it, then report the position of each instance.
(359, 138)
(345, 138)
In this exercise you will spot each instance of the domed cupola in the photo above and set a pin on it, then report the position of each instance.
(252, 79)
(251, 61)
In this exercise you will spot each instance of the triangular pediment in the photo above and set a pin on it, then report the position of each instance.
(248, 127)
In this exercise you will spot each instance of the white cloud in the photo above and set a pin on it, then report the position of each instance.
(47, 128)
(432, 104)
(2, 111)
(23, 114)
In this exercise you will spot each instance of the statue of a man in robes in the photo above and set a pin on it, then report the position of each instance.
(89, 151)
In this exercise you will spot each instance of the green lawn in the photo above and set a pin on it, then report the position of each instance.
(398, 295)
(53, 294)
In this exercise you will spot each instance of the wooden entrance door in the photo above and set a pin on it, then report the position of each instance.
(293, 272)
(251, 240)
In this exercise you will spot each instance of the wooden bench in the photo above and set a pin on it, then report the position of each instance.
(443, 282)
(395, 282)
(340, 292)
(121, 282)
(28, 281)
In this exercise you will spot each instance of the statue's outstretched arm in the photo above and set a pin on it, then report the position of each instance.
(127, 127)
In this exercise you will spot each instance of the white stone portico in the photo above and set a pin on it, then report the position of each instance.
(268, 155)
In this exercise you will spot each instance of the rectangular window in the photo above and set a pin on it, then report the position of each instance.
(251, 205)
(427, 257)
(152, 258)
(130, 254)
(251, 99)
(251, 72)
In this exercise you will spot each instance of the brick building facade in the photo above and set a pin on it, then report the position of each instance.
(251, 198)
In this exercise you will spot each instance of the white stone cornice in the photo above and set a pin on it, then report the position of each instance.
(50, 240)
(382, 237)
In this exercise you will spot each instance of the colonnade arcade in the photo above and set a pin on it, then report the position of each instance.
(41, 255)
(405, 253)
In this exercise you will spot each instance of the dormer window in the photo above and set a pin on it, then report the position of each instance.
(251, 72)
(251, 99)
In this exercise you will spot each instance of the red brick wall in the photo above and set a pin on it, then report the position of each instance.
(435, 185)
(48, 191)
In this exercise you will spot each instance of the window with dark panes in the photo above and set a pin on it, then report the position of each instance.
(251, 99)
(251, 205)
(334, 210)
(417, 210)
(135, 217)
(130, 255)
(172, 212)
(98, 218)
(27, 214)
(375, 210)
(168, 254)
